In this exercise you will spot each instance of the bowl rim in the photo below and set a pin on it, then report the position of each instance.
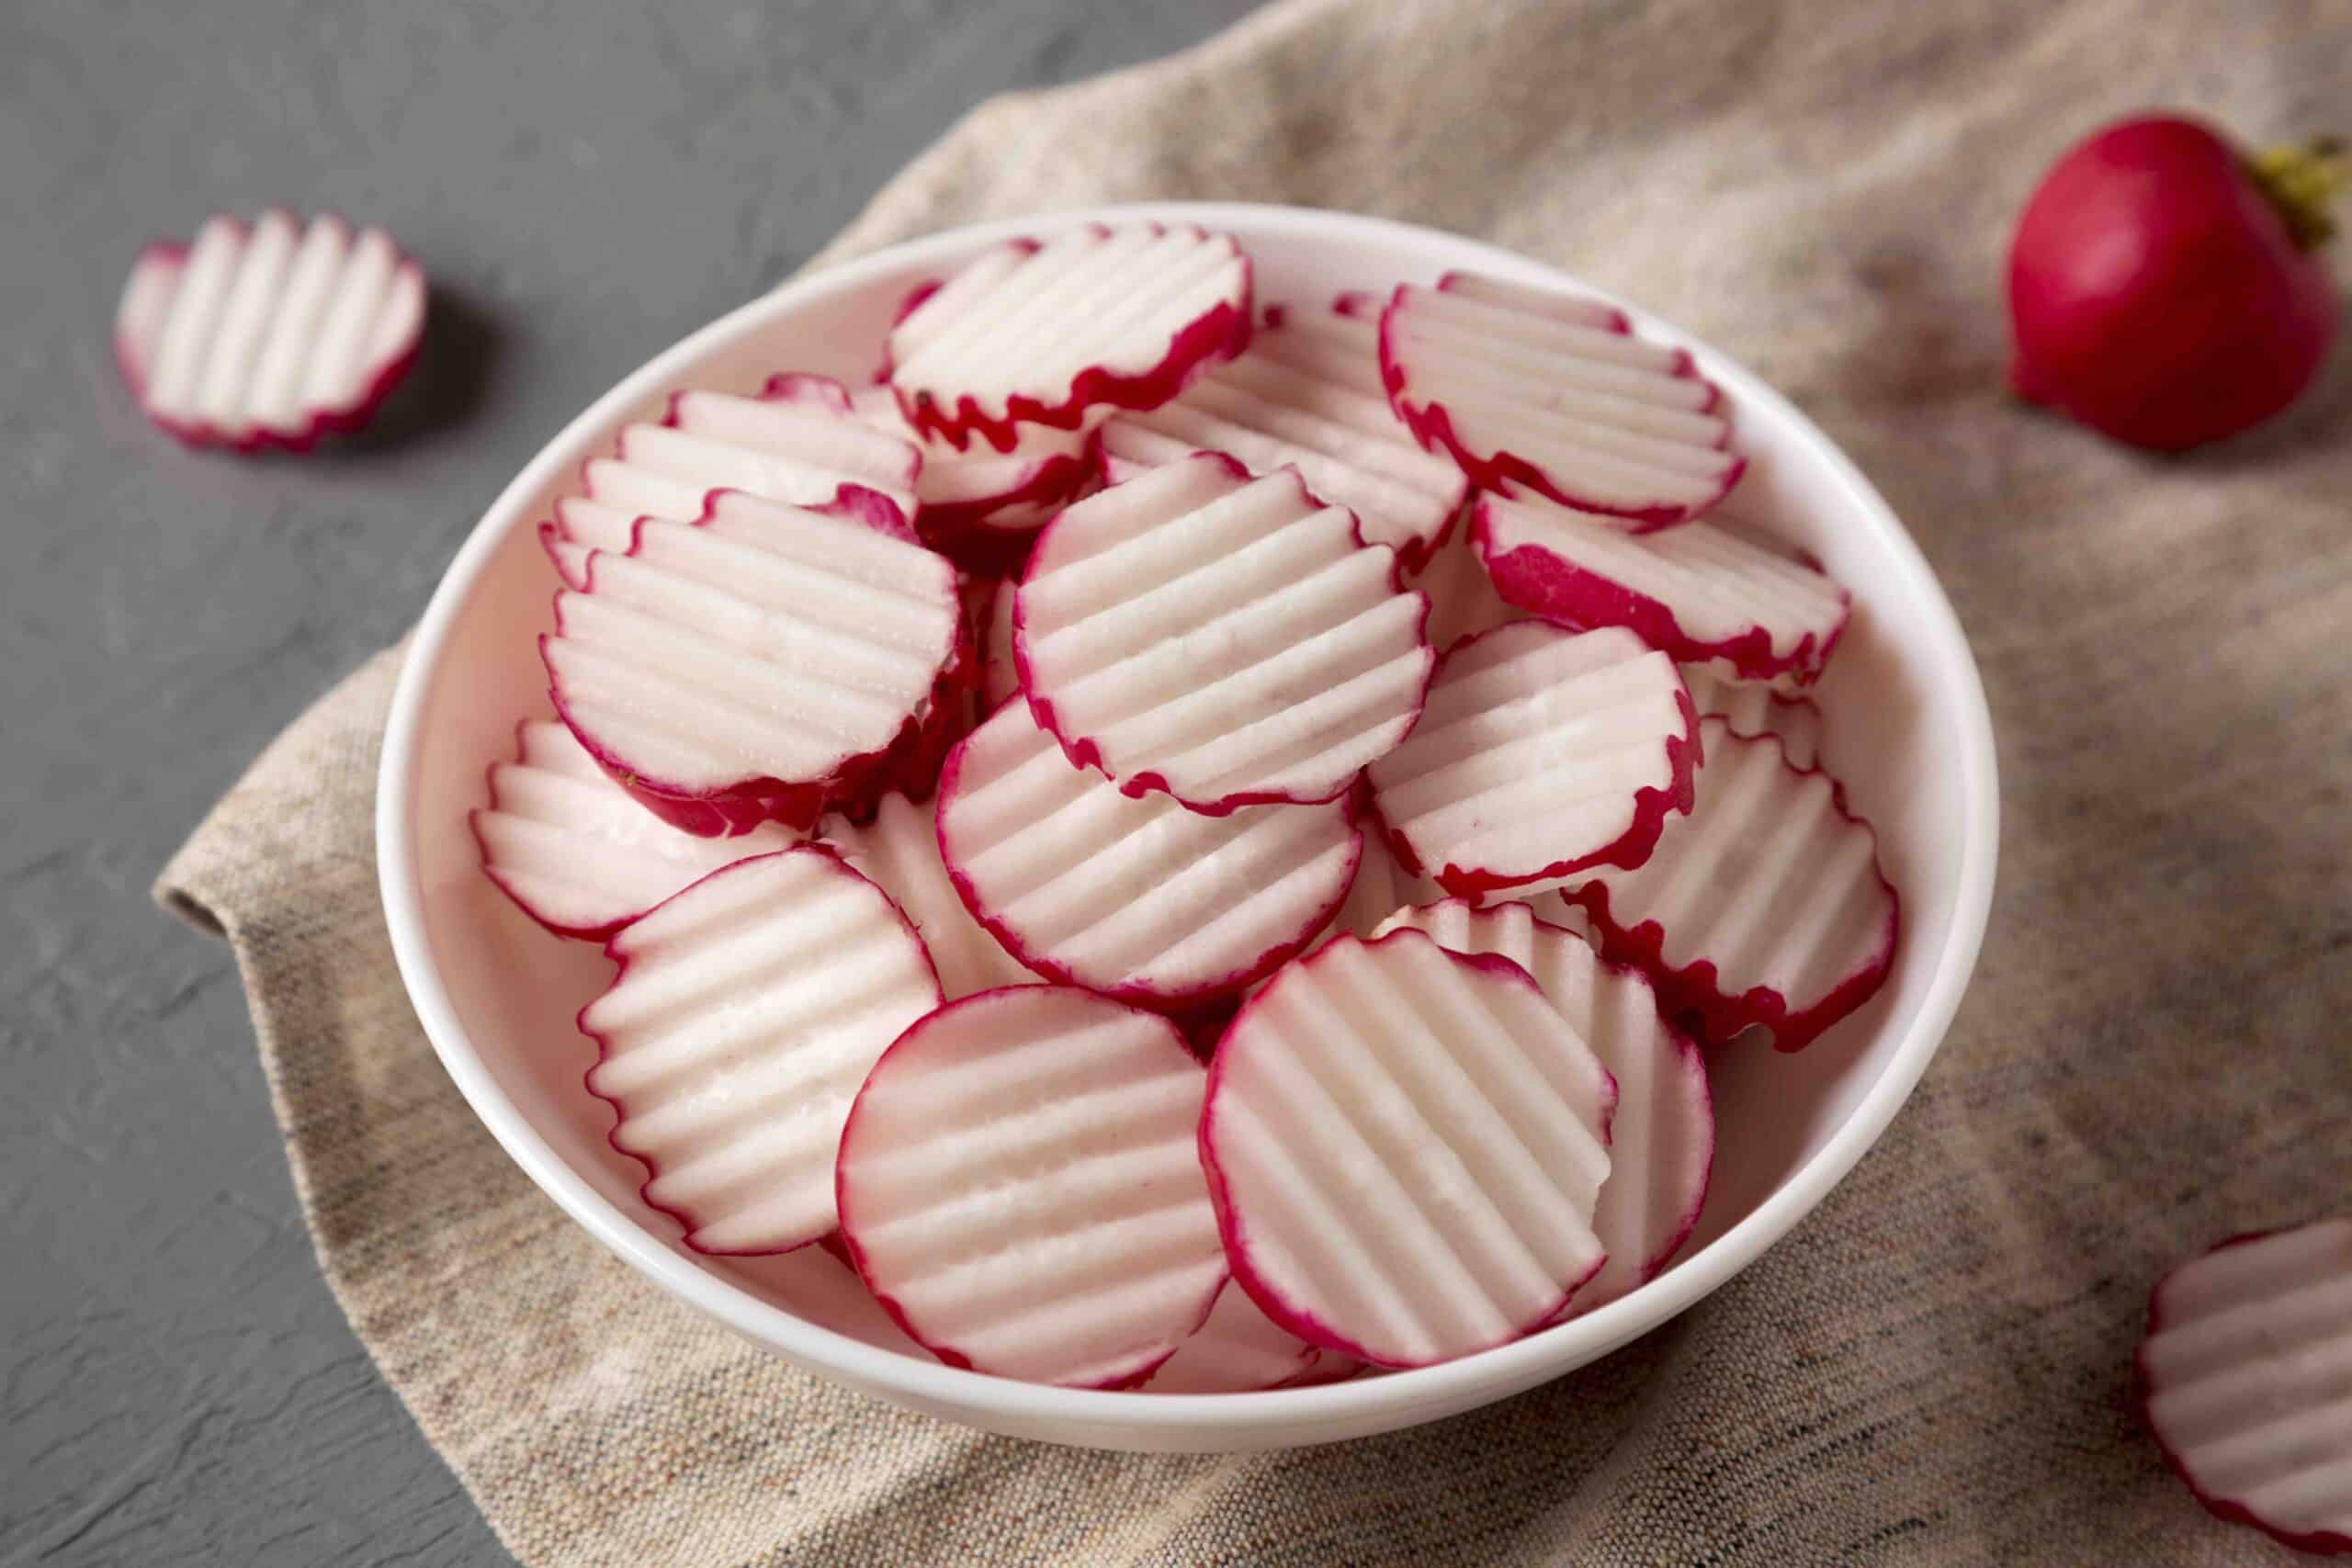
(1353, 1404)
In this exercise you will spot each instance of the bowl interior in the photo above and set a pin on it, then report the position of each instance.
(499, 995)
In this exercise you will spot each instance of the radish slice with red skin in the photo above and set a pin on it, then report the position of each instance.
(753, 666)
(747, 1011)
(268, 336)
(1542, 752)
(1224, 640)
(575, 852)
(1237, 1351)
(1527, 387)
(1135, 898)
(898, 850)
(1044, 333)
(1381, 888)
(1662, 1137)
(1283, 404)
(1019, 1188)
(1406, 1148)
(984, 506)
(2247, 1373)
(1696, 592)
(1752, 707)
(1765, 906)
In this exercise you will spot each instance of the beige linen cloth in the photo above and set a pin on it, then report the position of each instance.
(1934, 1368)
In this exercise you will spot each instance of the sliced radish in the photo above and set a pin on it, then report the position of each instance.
(754, 665)
(984, 506)
(1765, 906)
(1285, 403)
(899, 852)
(1137, 898)
(1238, 1349)
(1041, 334)
(270, 337)
(576, 852)
(1662, 1139)
(747, 1011)
(1696, 592)
(2248, 1372)
(1223, 640)
(800, 442)
(1752, 707)
(1542, 752)
(1406, 1148)
(1529, 387)
(1019, 1187)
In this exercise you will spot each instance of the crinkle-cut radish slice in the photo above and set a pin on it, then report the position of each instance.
(747, 1011)
(1662, 1139)
(1525, 387)
(1463, 601)
(1696, 592)
(1406, 1148)
(748, 667)
(985, 503)
(1135, 897)
(2247, 1371)
(1542, 752)
(899, 852)
(1279, 405)
(576, 852)
(1041, 334)
(1223, 640)
(1237, 1351)
(268, 336)
(1753, 708)
(1019, 1188)
(1765, 906)
(1001, 680)
(798, 443)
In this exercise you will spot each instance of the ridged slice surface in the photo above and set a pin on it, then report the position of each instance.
(1281, 407)
(1019, 1187)
(747, 1011)
(269, 336)
(1223, 640)
(766, 646)
(1765, 906)
(576, 852)
(1755, 707)
(1406, 1148)
(1697, 593)
(960, 491)
(1134, 897)
(1239, 1349)
(898, 850)
(2247, 1367)
(1557, 395)
(1542, 752)
(1033, 332)
(1662, 1137)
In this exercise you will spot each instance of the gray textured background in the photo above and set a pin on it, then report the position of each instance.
(585, 182)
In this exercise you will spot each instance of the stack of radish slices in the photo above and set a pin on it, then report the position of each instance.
(1052, 862)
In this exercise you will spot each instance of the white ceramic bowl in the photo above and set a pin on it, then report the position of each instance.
(497, 995)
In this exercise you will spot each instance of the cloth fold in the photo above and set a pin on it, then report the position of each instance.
(1934, 1368)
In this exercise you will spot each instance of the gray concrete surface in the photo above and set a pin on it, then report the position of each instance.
(584, 181)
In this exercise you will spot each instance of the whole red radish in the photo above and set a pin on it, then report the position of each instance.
(2166, 288)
